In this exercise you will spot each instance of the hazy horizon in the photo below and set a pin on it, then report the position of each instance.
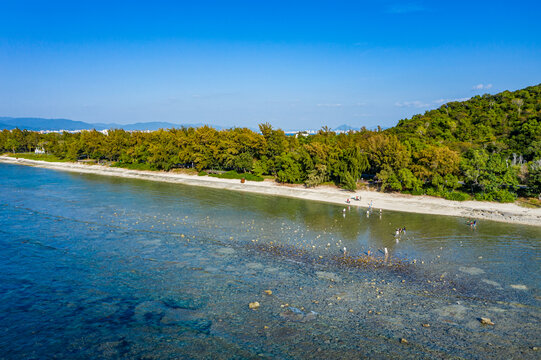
(294, 65)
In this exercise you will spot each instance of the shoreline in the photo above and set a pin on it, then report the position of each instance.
(509, 213)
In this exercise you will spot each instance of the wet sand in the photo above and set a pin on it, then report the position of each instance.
(510, 213)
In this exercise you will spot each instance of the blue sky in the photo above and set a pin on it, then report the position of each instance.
(302, 64)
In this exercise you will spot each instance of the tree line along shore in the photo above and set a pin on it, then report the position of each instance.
(486, 148)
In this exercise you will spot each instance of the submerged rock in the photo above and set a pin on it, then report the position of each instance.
(328, 276)
(486, 321)
(456, 311)
(147, 310)
(294, 314)
(225, 251)
(519, 287)
(183, 303)
(254, 305)
(187, 319)
(471, 270)
(493, 283)
(254, 266)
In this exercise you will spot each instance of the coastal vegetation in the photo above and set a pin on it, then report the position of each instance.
(486, 148)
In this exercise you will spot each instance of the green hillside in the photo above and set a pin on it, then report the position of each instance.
(508, 122)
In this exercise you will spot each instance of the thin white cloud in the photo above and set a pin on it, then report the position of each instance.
(415, 104)
(482, 87)
(443, 101)
(329, 105)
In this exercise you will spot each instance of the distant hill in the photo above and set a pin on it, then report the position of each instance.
(6, 126)
(156, 125)
(153, 125)
(345, 127)
(39, 124)
(509, 121)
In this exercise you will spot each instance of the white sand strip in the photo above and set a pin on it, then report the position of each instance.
(510, 213)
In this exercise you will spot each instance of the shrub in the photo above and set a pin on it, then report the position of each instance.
(348, 182)
(234, 175)
(252, 177)
(504, 196)
(431, 192)
(501, 195)
(456, 196)
(202, 173)
(484, 197)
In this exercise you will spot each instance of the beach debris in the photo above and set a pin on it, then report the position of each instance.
(426, 325)
(485, 321)
(268, 292)
(254, 305)
(403, 341)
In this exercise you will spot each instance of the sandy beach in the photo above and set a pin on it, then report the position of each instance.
(510, 213)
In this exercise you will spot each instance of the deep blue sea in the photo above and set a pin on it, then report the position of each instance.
(97, 267)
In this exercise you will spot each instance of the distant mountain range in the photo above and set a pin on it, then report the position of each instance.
(36, 124)
(40, 124)
(345, 127)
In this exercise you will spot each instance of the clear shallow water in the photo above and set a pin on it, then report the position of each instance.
(100, 267)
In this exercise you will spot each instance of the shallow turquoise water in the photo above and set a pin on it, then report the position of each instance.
(100, 267)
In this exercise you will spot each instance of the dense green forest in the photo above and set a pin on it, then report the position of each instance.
(488, 147)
